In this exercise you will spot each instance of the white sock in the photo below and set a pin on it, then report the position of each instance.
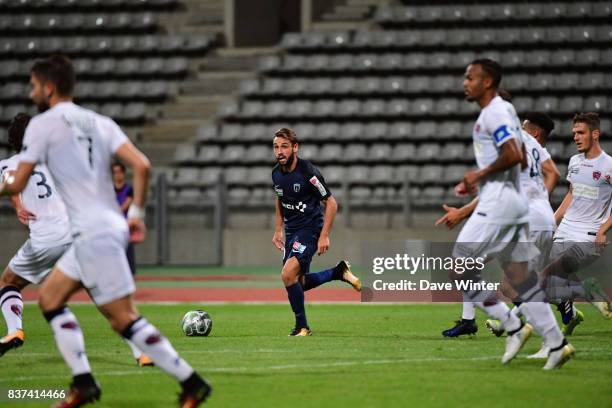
(150, 341)
(541, 317)
(500, 311)
(12, 308)
(135, 350)
(69, 340)
(469, 309)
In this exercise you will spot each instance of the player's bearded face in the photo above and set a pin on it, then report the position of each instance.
(473, 86)
(284, 152)
(38, 94)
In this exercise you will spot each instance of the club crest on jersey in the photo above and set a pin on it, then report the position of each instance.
(296, 187)
(315, 182)
(297, 247)
(596, 175)
(501, 133)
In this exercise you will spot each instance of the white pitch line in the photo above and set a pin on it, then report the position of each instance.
(268, 368)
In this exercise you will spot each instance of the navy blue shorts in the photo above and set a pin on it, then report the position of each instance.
(302, 245)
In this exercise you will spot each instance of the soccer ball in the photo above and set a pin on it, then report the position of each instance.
(196, 323)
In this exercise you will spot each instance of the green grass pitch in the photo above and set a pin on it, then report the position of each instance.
(358, 356)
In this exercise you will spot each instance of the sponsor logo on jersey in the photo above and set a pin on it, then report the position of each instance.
(296, 187)
(299, 248)
(299, 206)
(278, 190)
(315, 182)
(501, 133)
(585, 191)
(596, 175)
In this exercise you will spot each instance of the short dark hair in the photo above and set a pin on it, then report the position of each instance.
(505, 94)
(117, 163)
(590, 118)
(541, 120)
(287, 133)
(491, 68)
(57, 69)
(16, 130)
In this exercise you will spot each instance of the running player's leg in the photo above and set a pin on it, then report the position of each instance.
(104, 268)
(54, 294)
(11, 304)
(342, 271)
(126, 321)
(290, 274)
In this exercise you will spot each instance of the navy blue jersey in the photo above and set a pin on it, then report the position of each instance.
(300, 193)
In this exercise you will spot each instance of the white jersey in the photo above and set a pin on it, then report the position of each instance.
(51, 226)
(541, 215)
(77, 145)
(591, 196)
(499, 199)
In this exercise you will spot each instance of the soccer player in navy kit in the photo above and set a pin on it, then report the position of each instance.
(300, 189)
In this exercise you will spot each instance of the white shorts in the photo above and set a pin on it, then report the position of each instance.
(543, 241)
(505, 242)
(34, 263)
(100, 264)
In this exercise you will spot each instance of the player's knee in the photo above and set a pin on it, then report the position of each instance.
(120, 323)
(289, 276)
(48, 302)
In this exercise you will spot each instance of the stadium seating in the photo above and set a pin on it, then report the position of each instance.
(126, 64)
(381, 107)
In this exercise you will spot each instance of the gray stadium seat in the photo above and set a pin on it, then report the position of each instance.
(393, 85)
(327, 131)
(256, 132)
(587, 57)
(344, 85)
(431, 174)
(453, 174)
(380, 152)
(428, 152)
(330, 153)
(401, 131)
(541, 82)
(597, 103)
(185, 153)
(260, 176)
(231, 132)
(556, 149)
(355, 153)
(305, 131)
(274, 109)
(351, 131)
(449, 130)
(189, 176)
(398, 107)
(252, 109)
(209, 155)
(358, 174)
(308, 151)
(349, 107)
(452, 152)
(334, 175)
(392, 61)
(273, 86)
(546, 104)
(373, 107)
(404, 152)
(300, 108)
(236, 175)
(206, 134)
(375, 131)
(447, 106)
(422, 106)
(571, 104)
(425, 130)
(445, 83)
(381, 175)
(297, 86)
(566, 81)
(258, 154)
(324, 108)
(209, 176)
